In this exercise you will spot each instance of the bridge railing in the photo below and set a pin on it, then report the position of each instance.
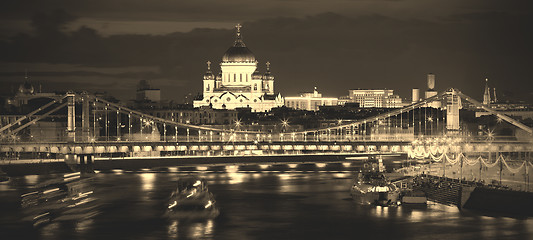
(284, 137)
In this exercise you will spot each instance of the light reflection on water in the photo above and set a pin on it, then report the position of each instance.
(173, 229)
(84, 225)
(31, 179)
(147, 180)
(265, 203)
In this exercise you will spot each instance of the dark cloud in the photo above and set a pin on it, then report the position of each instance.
(239, 10)
(55, 21)
(331, 51)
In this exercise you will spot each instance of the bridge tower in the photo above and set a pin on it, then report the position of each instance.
(71, 117)
(453, 104)
(85, 127)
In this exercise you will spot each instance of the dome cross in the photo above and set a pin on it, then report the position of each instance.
(238, 27)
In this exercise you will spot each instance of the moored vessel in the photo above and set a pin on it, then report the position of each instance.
(413, 197)
(371, 185)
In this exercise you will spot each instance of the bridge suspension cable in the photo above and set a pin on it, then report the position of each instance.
(380, 116)
(162, 120)
(498, 114)
(32, 113)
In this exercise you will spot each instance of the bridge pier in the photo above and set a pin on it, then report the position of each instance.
(84, 163)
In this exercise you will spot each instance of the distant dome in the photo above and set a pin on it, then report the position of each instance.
(26, 88)
(209, 76)
(238, 52)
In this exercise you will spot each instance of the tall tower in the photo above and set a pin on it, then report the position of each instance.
(453, 104)
(430, 92)
(209, 79)
(431, 82)
(486, 95)
(415, 95)
(495, 100)
(268, 80)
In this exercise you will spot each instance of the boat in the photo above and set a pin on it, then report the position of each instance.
(371, 186)
(413, 197)
(3, 176)
(192, 200)
(374, 188)
(61, 199)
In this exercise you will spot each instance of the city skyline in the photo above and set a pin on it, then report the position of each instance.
(389, 119)
(378, 46)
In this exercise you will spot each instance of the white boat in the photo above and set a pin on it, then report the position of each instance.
(192, 200)
(374, 188)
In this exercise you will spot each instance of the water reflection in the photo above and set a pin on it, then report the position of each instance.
(202, 230)
(173, 229)
(416, 216)
(31, 179)
(321, 165)
(147, 180)
(83, 225)
(260, 203)
(232, 169)
(191, 229)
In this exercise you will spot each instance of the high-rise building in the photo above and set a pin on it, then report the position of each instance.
(430, 92)
(431, 81)
(415, 96)
(145, 92)
(453, 104)
(239, 84)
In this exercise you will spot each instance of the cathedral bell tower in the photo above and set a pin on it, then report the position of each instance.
(209, 79)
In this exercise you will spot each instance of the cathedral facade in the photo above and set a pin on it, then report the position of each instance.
(239, 83)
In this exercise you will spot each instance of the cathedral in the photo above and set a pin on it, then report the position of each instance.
(239, 84)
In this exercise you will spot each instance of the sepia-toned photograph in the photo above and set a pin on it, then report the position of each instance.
(266, 119)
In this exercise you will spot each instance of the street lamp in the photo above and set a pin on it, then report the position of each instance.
(430, 120)
(237, 127)
(237, 123)
(284, 124)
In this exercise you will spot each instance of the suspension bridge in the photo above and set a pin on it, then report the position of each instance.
(97, 129)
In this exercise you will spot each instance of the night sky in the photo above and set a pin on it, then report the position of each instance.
(335, 45)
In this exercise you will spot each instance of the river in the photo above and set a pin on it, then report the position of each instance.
(262, 202)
